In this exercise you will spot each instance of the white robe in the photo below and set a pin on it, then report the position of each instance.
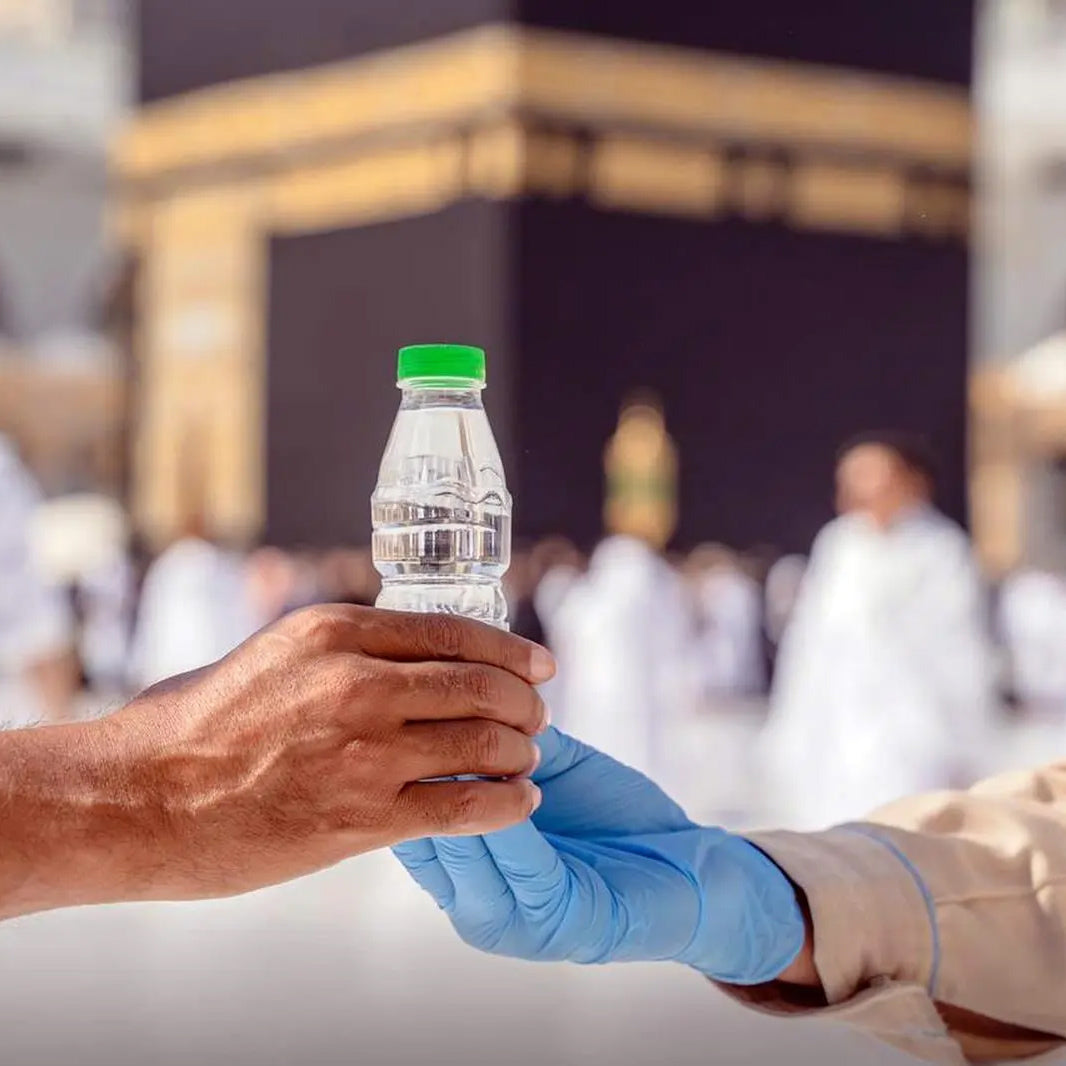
(1032, 621)
(107, 598)
(35, 619)
(550, 600)
(626, 656)
(885, 678)
(195, 607)
(730, 642)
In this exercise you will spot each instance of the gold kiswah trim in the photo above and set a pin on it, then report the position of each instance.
(559, 77)
(623, 172)
(631, 126)
(690, 92)
(628, 173)
(834, 196)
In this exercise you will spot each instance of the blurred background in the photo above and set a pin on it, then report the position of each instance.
(736, 275)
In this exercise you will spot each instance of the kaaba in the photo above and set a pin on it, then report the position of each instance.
(759, 212)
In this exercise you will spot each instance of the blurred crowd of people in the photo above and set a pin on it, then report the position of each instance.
(882, 656)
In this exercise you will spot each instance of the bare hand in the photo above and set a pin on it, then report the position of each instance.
(309, 743)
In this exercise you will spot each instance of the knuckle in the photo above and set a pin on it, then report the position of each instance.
(340, 681)
(315, 628)
(387, 680)
(462, 748)
(485, 746)
(481, 685)
(345, 682)
(423, 749)
(467, 809)
(442, 635)
(367, 760)
(439, 684)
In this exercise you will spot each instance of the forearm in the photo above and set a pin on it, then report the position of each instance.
(959, 894)
(68, 836)
(992, 864)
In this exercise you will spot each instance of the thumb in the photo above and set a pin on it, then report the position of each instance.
(559, 752)
(533, 869)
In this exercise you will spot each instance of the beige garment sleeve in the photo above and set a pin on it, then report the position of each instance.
(958, 896)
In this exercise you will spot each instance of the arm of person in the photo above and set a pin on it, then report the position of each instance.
(950, 906)
(937, 623)
(317, 739)
(939, 926)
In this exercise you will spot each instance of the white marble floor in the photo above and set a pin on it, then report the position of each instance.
(354, 966)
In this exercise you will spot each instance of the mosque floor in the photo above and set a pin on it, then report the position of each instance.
(354, 966)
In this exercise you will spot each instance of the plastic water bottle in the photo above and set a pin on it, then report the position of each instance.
(441, 510)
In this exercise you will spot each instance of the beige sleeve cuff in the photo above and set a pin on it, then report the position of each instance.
(872, 916)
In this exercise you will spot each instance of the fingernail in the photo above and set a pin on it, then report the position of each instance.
(541, 665)
(545, 719)
(538, 796)
(536, 757)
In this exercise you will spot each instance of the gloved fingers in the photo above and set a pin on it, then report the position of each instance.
(532, 868)
(558, 753)
(419, 858)
(470, 868)
(587, 793)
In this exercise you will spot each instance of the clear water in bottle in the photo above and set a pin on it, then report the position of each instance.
(441, 511)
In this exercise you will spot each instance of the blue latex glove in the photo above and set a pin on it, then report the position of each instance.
(611, 869)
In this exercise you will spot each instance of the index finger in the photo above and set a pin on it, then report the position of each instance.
(532, 868)
(407, 637)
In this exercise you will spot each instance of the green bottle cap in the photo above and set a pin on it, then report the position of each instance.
(441, 362)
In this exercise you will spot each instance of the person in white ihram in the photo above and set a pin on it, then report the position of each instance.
(885, 678)
(729, 608)
(1031, 619)
(628, 669)
(196, 606)
(36, 624)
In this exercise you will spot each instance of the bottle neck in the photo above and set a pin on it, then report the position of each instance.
(420, 394)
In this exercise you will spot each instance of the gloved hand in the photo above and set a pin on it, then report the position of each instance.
(611, 869)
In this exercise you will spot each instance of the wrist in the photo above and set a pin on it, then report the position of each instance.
(802, 971)
(752, 927)
(68, 836)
